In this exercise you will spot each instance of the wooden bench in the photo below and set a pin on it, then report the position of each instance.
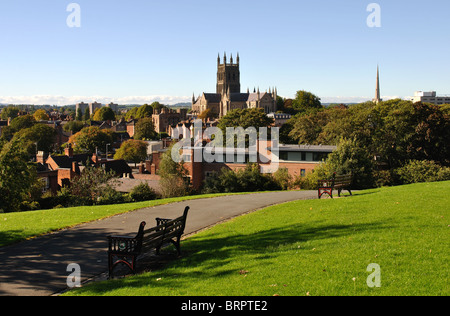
(337, 182)
(126, 250)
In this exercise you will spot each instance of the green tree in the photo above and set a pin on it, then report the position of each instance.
(17, 177)
(132, 151)
(40, 137)
(104, 114)
(93, 184)
(145, 129)
(10, 112)
(91, 138)
(245, 118)
(144, 111)
(305, 101)
(87, 114)
(73, 127)
(41, 115)
(79, 115)
(351, 158)
(173, 174)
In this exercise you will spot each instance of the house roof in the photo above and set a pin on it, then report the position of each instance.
(118, 166)
(65, 162)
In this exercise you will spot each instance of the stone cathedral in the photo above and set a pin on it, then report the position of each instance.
(228, 94)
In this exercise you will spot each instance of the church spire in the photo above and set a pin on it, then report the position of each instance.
(377, 89)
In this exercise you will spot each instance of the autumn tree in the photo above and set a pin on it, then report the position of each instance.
(41, 115)
(91, 138)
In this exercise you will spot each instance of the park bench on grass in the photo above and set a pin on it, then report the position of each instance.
(126, 250)
(341, 182)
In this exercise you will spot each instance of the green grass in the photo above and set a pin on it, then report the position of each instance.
(317, 247)
(16, 227)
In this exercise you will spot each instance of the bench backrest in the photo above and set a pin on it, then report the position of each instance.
(156, 236)
(345, 179)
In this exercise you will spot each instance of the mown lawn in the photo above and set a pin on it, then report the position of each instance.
(16, 227)
(317, 247)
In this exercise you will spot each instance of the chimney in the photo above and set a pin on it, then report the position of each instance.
(75, 168)
(95, 159)
(40, 157)
(69, 151)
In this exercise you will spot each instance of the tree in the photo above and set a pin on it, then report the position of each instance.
(73, 127)
(40, 137)
(131, 113)
(10, 112)
(351, 158)
(142, 192)
(132, 151)
(41, 115)
(79, 115)
(173, 176)
(145, 129)
(144, 111)
(91, 138)
(305, 101)
(245, 118)
(87, 114)
(92, 184)
(207, 114)
(104, 114)
(17, 177)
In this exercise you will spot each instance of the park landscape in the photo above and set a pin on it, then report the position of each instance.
(309, 188)
(301, 248)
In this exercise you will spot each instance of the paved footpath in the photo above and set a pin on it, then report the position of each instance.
(38, 267)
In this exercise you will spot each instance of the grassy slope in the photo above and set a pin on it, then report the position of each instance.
(318, 247)
(16, 227)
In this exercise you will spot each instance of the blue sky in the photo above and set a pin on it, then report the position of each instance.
(142, 50)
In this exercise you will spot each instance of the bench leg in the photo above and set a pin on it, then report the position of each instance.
(177, 245)
(328, 191)
(112, 265)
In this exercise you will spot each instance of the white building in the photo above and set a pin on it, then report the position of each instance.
(430, 97)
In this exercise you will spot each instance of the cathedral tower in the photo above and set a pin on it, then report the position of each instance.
(228, 76)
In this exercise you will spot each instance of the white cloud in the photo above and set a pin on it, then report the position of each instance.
(353, 99)
(64, 100)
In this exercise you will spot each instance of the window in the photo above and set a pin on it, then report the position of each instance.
(303, 156)
(283, 155)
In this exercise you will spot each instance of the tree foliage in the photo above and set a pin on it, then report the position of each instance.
(41, 115)
(104, 114)
(17, 176)
(145, 129)
(132, 151)
(245, 118)
(91, 138)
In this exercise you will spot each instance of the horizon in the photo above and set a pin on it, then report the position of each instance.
(145, 51)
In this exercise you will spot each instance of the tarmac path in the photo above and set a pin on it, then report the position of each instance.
(38, 267)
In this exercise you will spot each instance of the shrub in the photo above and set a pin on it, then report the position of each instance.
(283, 179)
(142, 192)
(422, 171)
(248, 180)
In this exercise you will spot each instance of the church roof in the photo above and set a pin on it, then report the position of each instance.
(239, 97)
(212, 97)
